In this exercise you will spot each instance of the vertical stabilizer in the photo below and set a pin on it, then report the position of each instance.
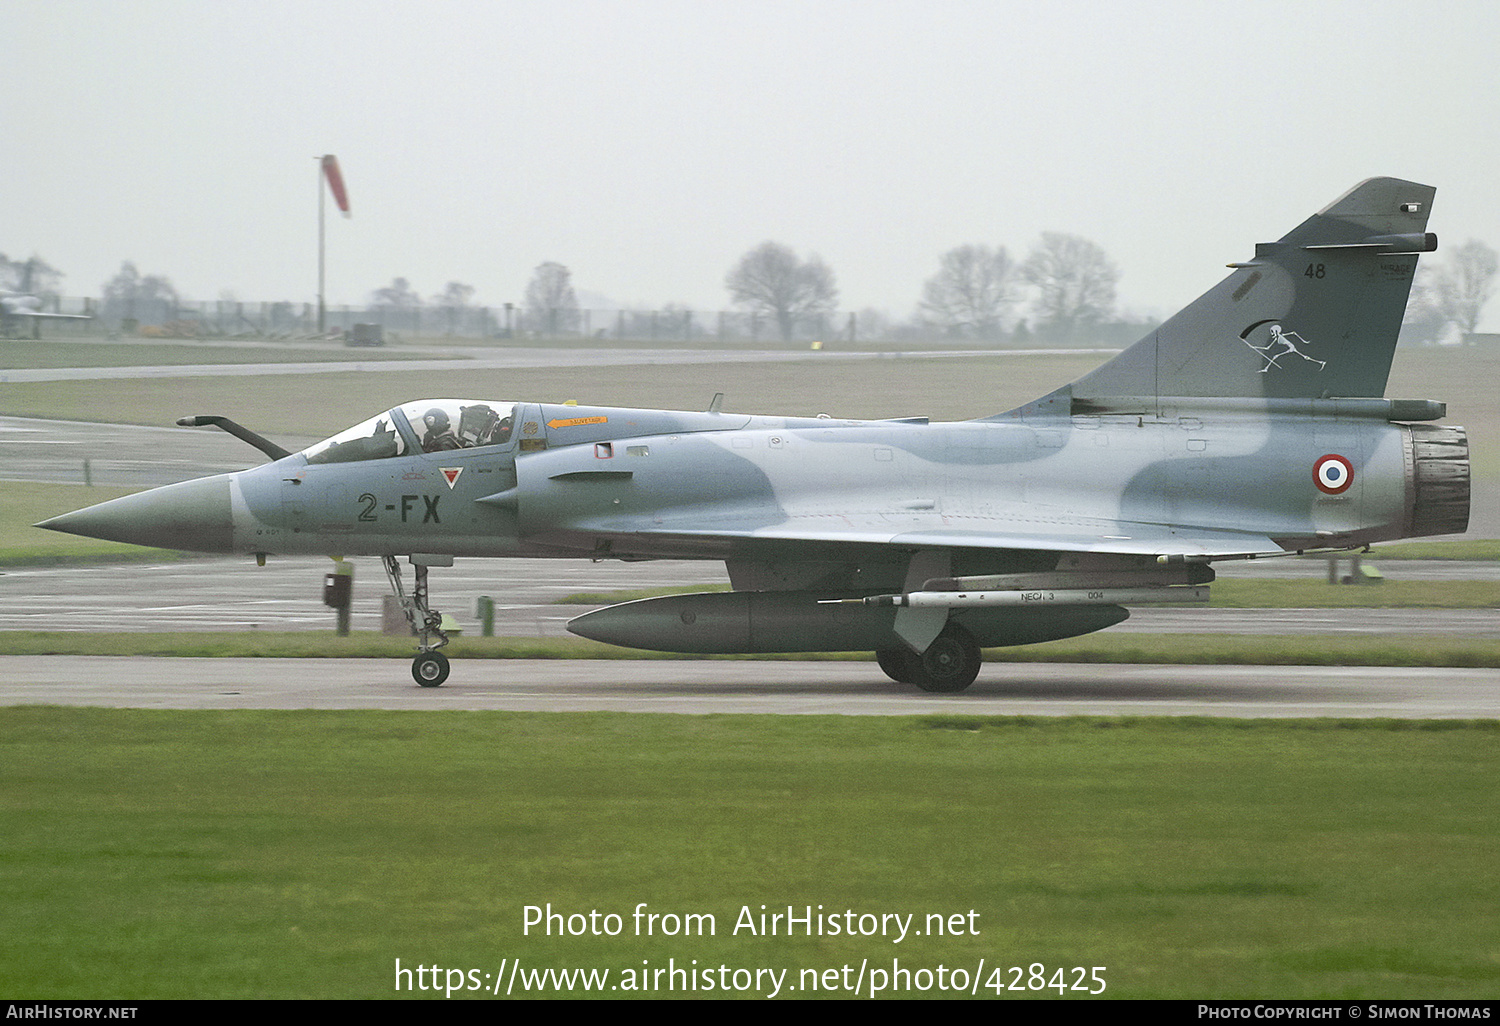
(1314, 315)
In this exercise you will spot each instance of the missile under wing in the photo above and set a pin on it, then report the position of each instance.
(1253, 423)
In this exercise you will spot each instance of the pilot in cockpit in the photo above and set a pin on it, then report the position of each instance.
(439, 435)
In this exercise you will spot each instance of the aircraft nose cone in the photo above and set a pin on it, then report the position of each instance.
(193, 515)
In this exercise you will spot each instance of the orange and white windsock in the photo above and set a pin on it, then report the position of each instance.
(336, 182)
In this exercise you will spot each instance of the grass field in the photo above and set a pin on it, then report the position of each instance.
(156, 854)
(49, 353)
(24, 503)
(320, 404)
(152, 854)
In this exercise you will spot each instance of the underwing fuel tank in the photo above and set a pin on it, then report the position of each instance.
(779, 621)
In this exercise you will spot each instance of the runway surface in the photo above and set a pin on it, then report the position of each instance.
(286, 594)
(121, 455)
(744, 686)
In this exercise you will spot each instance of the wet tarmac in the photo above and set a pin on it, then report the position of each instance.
(745, 686)
(286, 594)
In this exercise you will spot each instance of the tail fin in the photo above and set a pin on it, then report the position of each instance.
(1314, 315)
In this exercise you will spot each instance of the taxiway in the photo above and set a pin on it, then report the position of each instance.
(751, 686)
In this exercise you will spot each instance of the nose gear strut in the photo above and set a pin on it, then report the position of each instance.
(430, 667)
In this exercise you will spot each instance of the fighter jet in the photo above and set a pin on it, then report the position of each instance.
(1251, 424)
(18, 307)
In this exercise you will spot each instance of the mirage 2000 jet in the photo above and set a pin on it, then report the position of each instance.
(1251, 424)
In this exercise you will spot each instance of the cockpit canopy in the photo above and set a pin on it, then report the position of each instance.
(426, 425)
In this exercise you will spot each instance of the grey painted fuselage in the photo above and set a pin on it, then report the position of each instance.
(1250, 424)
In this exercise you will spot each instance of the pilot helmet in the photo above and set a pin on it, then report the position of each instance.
(436, 420)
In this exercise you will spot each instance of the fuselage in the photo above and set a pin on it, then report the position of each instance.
(625, 483)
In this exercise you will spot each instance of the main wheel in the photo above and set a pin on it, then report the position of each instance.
(900, 664)
(429, 669)
(950, 663)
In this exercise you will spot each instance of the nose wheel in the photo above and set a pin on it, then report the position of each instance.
(430, 667)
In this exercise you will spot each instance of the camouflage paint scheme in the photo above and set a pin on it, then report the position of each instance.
(1250, 424)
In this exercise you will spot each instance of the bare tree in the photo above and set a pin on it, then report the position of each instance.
(551, 303)
(675, 320)
(398, 295)
(771, 280)
(1424, 320)
(398, 306)
(129, 294)
(130, 284)
(454, 302)
(870, 323)
(1456, 290)
(972, 290)
(34, 277)
(1075, 284)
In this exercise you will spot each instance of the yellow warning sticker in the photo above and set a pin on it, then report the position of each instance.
(577, 421)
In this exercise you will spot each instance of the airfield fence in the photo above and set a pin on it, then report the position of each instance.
(226, 319)
(166, 318)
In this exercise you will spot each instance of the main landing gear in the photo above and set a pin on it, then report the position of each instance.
(430, 667)
(949, 665)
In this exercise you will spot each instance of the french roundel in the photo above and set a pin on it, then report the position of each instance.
(1333, 474)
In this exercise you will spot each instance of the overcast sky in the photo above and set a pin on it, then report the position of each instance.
(646, 144)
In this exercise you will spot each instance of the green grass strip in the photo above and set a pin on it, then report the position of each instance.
(1461, 548)
(1274, 593)
(24, 503)
(51, 354)
(254, 854)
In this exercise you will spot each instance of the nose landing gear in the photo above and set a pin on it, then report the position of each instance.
(430, 667)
